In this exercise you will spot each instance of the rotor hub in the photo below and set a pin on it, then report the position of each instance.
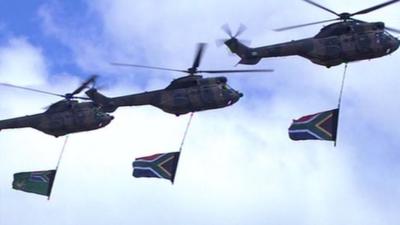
(345, 16)
(192, 70)
(69, 96)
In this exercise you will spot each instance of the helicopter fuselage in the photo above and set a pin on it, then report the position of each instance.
(337, 43)
(62, 118)
(183, 95)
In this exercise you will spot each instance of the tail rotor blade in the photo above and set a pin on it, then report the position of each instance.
(240, 30)
(227, 30)
(220, 42)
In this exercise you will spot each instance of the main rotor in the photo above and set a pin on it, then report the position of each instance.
(67, 96)
(343, 16)
(193, 70)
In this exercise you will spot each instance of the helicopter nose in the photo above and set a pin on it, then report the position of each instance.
(105, 120)
(236, 96)
(108, 118)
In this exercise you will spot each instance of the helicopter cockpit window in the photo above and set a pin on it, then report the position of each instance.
(387, 34)
(225, 87)
(382, 37)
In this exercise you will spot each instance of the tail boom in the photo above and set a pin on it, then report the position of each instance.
(251, 56)
(111, 104)
(245, 53)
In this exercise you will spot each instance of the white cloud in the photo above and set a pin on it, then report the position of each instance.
(21, 63)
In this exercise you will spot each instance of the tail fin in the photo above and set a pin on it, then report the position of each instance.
(104, 102)
(244, 52)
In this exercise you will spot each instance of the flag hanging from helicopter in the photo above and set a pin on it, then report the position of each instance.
(159, 166)
(319, 126)
(37, 182)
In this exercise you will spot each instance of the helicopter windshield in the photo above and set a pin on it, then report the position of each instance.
(225, 87)
(382, 37)
(387, 34)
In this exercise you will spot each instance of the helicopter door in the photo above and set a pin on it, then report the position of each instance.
(57, 122)
(332, 48)
(181, 100)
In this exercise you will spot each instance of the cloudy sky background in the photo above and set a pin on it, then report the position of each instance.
(238, 164)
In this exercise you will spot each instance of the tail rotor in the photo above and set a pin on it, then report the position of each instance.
(232, 37)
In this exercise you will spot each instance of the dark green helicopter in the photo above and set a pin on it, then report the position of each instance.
(63, 117)
(341, 42)
(191, 93)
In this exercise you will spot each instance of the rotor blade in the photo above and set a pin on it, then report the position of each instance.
(148, 67)
(85, 84)
(236, 71)
(31, 89)
(227, 30)
(220, 42)
(240, 30)
(199, 55)
(83, 98)
(304, 25)
(373, 8)
(394, 30)
(321, 7)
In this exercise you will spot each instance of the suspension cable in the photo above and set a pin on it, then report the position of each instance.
(183, 142)
(58, 164)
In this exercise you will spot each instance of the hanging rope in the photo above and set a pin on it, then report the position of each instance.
(62, 152)
(186, 131)
(340, 98)
(342, 86)
(59, 161)
(183, 142)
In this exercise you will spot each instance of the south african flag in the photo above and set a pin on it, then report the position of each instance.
(38, 182)
(319, 126)
(159, 165)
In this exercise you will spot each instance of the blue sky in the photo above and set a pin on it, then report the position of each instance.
(238, 166)
(22, 19)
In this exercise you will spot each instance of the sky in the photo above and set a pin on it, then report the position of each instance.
(238, 165)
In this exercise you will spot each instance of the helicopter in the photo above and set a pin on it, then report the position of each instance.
(63, 117)
(190, 93)
(340, 42)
